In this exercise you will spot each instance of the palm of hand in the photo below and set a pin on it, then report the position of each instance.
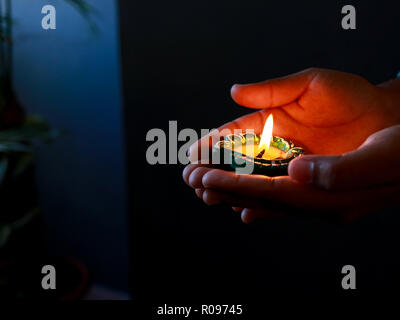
(330, 112)
(327, 112)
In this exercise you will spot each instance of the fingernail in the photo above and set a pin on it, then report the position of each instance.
(313, 170)
(302, 170)
(234, 87)
(323, 175)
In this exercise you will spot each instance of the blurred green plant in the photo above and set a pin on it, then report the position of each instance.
(87, 11)
(20, 134)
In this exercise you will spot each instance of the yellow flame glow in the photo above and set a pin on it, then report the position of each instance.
(266, 135)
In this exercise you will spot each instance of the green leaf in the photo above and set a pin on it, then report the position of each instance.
(87, 11)
(7, 229)
(13, 147)
(25, 219)
(35, 130)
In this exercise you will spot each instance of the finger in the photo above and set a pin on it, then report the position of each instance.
(188, 171)
(213, 197)
(199, 192)
(374, 163)
(275, 92)
(255, 186)
(249, 215)
(196, 176)
(293, 193)
(259, 210)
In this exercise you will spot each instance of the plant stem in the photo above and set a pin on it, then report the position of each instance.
(8, 39)
(2, 38)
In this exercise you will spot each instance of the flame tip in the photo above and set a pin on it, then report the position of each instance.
(266, 134)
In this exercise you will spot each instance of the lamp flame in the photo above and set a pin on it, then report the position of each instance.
(266, 135)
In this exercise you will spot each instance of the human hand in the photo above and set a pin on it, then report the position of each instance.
(348, 185)
(327, 112)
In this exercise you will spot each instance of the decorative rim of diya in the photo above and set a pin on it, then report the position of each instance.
(261, 166)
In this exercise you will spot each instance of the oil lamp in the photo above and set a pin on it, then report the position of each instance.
(266, 154)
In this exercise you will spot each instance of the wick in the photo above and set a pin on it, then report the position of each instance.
(261, 154)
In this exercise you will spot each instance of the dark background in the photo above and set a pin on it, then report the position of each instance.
(180, 59)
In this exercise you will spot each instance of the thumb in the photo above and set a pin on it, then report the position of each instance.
(275, 92)
(374, 163)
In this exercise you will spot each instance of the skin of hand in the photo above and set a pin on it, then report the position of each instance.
(347, 125)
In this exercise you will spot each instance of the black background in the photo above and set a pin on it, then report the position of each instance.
(180, 59)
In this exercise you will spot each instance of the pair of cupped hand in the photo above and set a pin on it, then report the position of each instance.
(350, 129)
